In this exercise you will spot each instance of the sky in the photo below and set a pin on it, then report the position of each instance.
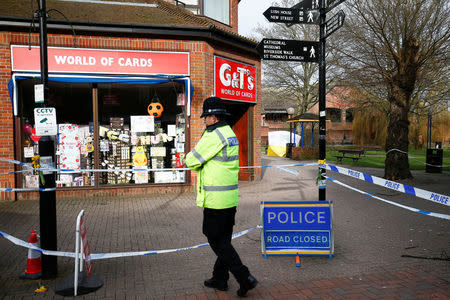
(251, 13)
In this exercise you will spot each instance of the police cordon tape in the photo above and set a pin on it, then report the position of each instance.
(432, 214)
(49, 169)
(116, 170)
(399, 187)
(415, 158)
(15, 162)
(27, 189)
(435, 197)
(95, 256)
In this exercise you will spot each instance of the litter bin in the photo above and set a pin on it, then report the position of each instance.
(434, 160)
(289, 149)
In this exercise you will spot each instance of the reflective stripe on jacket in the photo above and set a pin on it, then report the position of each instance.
(216, 159)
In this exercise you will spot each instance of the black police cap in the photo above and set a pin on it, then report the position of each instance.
(214, 106)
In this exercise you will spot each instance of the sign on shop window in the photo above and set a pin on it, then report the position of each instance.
(142, 124)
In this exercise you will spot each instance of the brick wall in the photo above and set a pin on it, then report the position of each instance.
(234, 4)
(202, 76)
(6, 118)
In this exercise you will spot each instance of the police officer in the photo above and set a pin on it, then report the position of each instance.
(216, 159)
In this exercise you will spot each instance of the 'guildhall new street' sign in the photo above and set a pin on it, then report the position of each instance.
(234, 80)
(297, 228)
(100, 61)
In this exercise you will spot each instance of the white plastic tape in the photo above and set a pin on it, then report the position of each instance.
(427, 213)
(94, 256)
(435, 197)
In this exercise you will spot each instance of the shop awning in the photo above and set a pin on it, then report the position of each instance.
(88, 78)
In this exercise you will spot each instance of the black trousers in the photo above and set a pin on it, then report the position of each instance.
(218, 228)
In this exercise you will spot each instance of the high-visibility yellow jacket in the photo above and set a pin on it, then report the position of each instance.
(216, 159)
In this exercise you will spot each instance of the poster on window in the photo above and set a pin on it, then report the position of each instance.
(142, 123)
(69, 146)
(140, 176)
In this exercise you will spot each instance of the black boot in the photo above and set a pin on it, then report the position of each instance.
(248, 284)
(216, 284)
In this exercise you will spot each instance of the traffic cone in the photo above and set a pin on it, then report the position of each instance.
(34, 268)
(297, 261)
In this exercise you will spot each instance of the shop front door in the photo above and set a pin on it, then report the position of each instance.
(242, 129)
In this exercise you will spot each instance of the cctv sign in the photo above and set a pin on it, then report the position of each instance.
(45, 121)
(234, 80)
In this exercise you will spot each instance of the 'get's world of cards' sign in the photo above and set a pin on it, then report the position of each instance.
(297, 228)
(234, 80)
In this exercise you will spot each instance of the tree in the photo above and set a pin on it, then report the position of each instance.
(396, 50)
(292, 82)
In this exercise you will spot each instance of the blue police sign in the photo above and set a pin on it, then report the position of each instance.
(297, 228)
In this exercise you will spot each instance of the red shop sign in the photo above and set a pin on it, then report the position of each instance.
(82, 60)
(234, 80)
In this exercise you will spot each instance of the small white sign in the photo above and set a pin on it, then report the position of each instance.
(171, 130)
(142, 124)
(39, 93)
(47, 163)
(45, 121)
(158, 151)
(28, 152)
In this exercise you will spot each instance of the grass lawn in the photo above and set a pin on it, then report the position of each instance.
(375, 159)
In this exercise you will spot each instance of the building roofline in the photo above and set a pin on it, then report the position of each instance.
(211, 32)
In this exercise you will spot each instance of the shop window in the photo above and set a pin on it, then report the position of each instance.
(73, 105)
(128, 137)
(141, 127)
(349, 115)
(334, 114)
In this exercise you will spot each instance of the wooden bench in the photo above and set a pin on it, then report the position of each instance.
(340, 157)
(354, 152)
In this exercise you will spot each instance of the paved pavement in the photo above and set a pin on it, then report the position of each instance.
(375, 242)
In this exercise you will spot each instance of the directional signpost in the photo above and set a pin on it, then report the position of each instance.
(334, 23)
(308, 4)
(332, 4)
(305, 5)
(288, 50)
(309, 12)
(292, 15)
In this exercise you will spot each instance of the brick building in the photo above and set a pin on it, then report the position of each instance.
(113, 65)
(340, 111)
(339, 115)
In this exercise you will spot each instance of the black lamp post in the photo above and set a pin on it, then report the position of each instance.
(290, 111)
(429, 130)
(434, 155)
(47, 194)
